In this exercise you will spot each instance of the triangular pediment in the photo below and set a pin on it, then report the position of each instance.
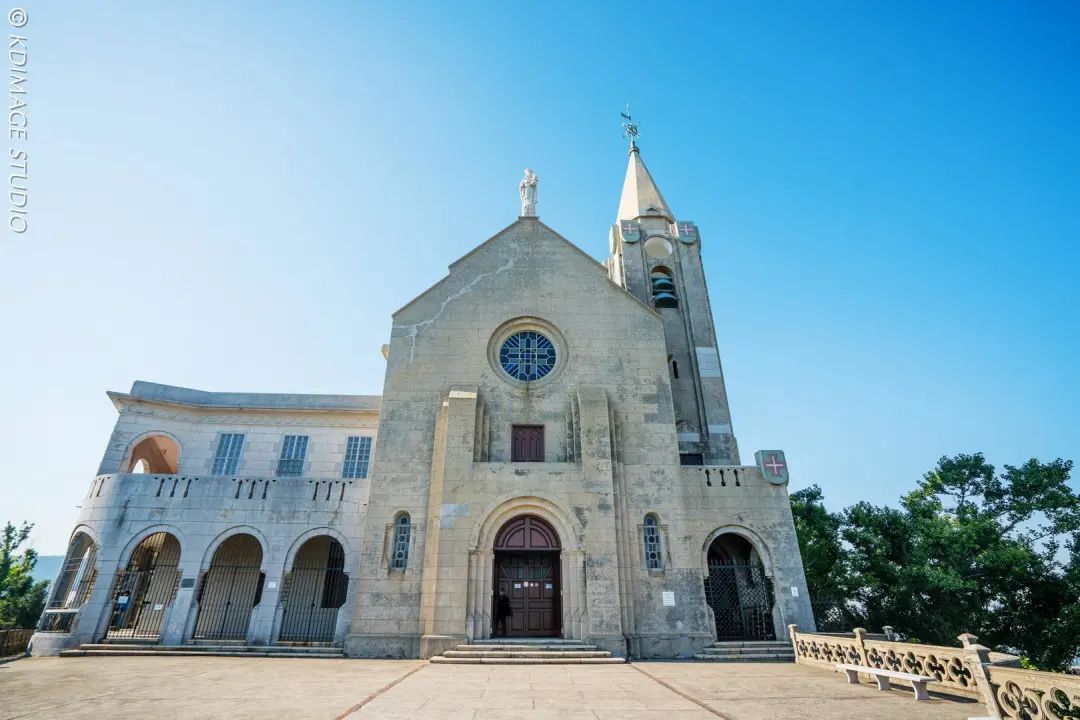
(532, 252)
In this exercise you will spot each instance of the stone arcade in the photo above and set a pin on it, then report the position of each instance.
(550, 427)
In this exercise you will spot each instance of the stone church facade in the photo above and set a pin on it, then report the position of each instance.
(551, 428)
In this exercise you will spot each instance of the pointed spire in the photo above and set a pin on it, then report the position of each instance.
(640, 196)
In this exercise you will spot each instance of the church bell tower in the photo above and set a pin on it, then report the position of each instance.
(657, 259)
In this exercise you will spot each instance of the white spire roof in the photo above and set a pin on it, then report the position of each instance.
(640, 196)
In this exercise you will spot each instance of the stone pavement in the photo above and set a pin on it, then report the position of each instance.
(182, 688)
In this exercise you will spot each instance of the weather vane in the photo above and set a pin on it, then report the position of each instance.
(630, 128)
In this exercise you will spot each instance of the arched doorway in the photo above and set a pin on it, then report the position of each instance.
(72, 588)
(527, 571)
(145, 589)
(738, 591)
(230, 589)
(313, 592)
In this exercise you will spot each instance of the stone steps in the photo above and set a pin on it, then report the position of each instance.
(441, 660)
(748, 651)
(532, 647)
(526, 654)
(780, 644)
(527, 651)
(708, 657)
(115, 649)
(527, 641)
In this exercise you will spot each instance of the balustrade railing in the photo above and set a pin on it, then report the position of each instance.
(1028, 694)
(1009, 692)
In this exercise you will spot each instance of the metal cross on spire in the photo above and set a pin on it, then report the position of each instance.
(630, 128)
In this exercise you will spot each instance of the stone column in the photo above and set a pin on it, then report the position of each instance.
(573, 608)
(93, 620)
(444, 585)
(860, 643)
(261, 627)
(977, 658)
(175, 622)
(475, 613)
(793, 635)
(608, 598)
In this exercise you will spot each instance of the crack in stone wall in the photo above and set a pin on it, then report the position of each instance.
(416, 329)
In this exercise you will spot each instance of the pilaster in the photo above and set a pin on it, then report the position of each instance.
(444, 587)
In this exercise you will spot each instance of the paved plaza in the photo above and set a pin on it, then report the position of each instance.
(181, 688)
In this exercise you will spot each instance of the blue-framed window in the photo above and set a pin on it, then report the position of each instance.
(227, 455)
(527, 355)
(402, 535)
(654, 558)
(357, 457)
(293, 454)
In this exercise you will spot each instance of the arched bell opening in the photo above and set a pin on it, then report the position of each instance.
(230, 589)
(314, 590)
(738, 590)
(145, 588)
(663, 287)
(527, 562)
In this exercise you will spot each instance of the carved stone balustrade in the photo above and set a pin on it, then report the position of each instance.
(1032, 695)
(1009, 692)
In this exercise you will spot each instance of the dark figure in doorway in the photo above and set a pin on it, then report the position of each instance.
(503, 613)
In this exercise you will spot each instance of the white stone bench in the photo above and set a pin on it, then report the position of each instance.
(918, 682)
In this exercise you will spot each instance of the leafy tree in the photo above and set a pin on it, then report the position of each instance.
(969, 550)
(825, 560)
(21, 598)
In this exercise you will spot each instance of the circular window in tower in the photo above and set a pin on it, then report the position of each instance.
(527, 355)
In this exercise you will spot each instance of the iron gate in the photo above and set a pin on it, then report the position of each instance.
(310, 599)
(226, 597)
(140, 600)
(741, 599)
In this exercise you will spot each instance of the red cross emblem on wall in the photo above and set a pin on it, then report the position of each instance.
(686, 229)
(629, 228)
(773, 466)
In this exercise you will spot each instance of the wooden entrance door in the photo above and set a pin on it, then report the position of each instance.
(527, 571)
(531, 581)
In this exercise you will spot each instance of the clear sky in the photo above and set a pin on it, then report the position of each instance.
(234, 196)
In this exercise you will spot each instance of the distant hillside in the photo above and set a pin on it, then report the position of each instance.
(47, 567)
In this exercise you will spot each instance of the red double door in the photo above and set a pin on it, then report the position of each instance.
(527, 572)
(531, 581)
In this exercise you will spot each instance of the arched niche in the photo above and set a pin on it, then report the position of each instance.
(156, 453)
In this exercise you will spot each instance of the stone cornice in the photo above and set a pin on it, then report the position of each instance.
(153, 394)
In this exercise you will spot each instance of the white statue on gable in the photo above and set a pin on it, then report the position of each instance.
(527, 189)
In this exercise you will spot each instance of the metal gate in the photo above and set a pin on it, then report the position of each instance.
(226, 597)
(741, 599)
(313, 592)
(140, 600)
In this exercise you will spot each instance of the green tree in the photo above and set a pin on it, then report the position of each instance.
(969, 550)
(825, 560)
(21, 598)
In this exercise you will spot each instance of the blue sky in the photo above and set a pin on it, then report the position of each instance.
(235, 196)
